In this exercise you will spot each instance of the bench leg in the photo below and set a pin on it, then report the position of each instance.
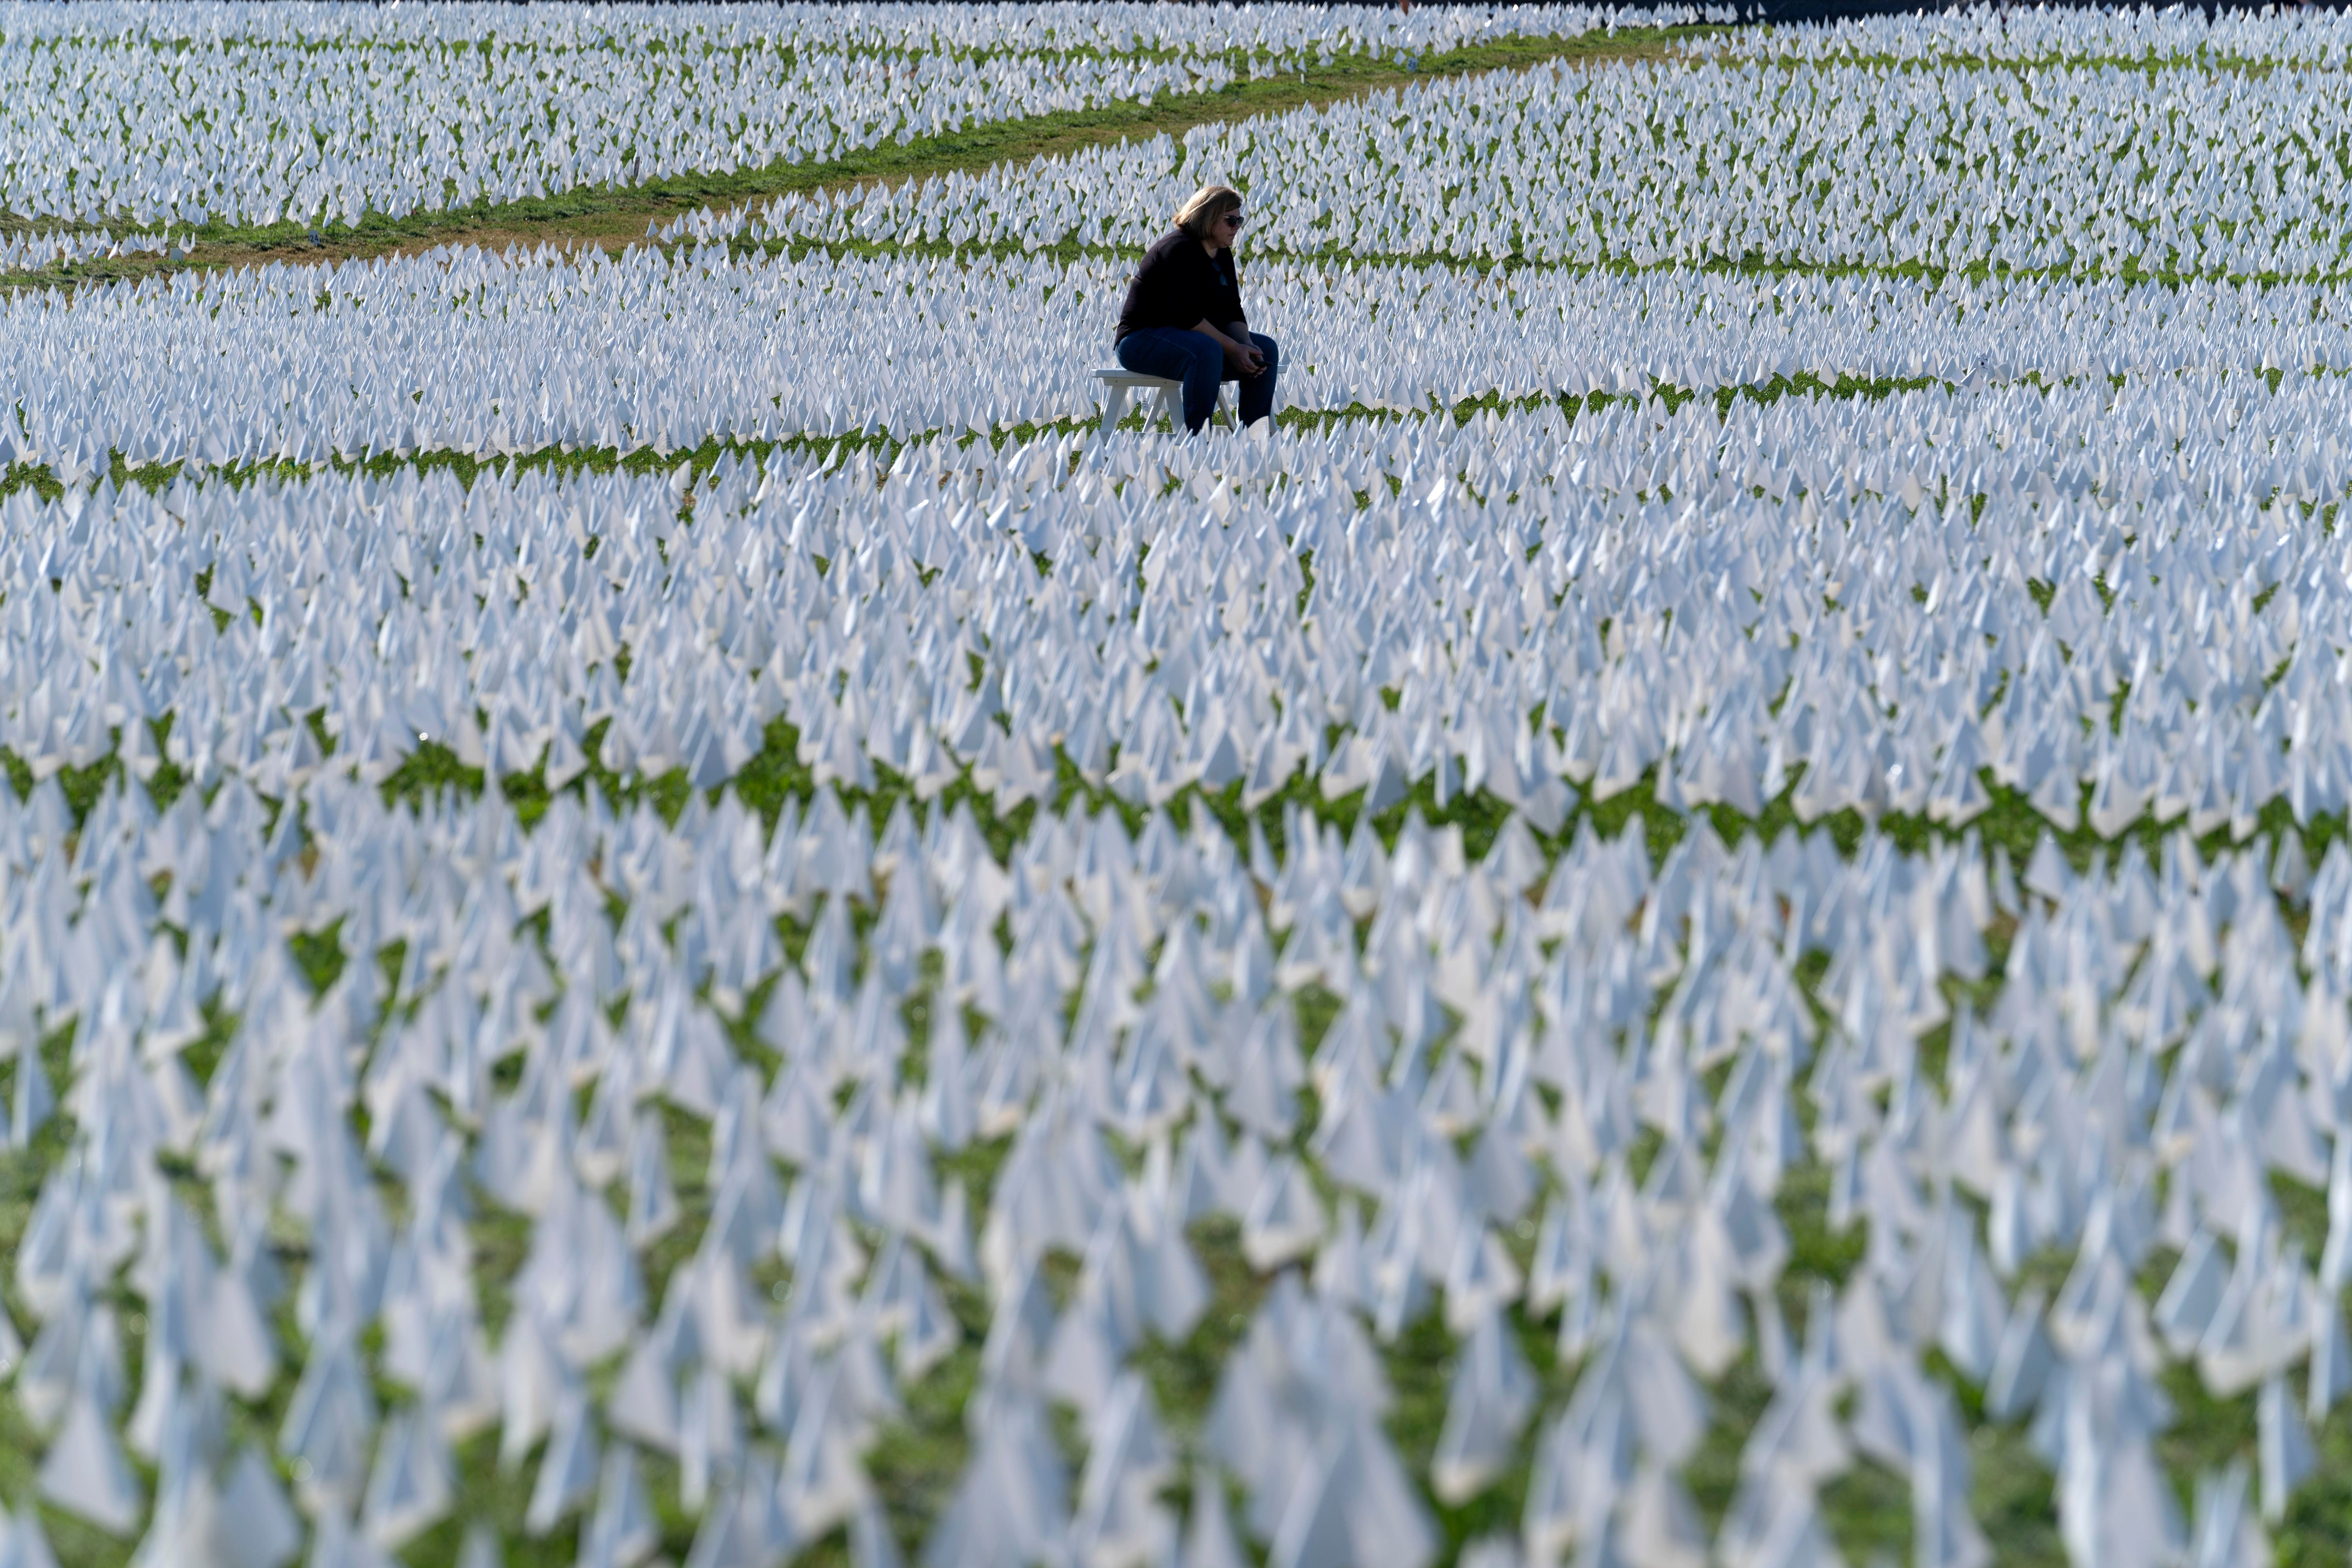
(1114, 406)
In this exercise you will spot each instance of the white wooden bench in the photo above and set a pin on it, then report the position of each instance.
(1118, 382)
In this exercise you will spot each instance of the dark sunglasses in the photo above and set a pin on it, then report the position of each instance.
(1234, 219)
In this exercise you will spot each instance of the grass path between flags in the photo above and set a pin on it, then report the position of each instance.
(614, 217)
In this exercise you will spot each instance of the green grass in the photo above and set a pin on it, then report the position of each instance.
(1183, 1376)
(22, 1170)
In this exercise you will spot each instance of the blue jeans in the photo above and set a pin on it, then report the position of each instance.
(1196, 360)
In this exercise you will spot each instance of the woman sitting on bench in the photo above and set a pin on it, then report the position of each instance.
(1183, 318)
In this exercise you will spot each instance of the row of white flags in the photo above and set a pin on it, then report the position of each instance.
(460, 350)
(2067, 166)
(259, 113)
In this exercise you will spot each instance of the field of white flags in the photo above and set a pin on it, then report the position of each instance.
(658, 906)
(252, 112)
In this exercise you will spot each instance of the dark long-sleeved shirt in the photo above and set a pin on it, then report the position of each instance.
(1180, 285)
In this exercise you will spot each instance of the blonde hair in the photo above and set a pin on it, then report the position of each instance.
(1206, 206)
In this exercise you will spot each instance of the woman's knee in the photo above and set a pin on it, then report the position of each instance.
(1268, 348)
